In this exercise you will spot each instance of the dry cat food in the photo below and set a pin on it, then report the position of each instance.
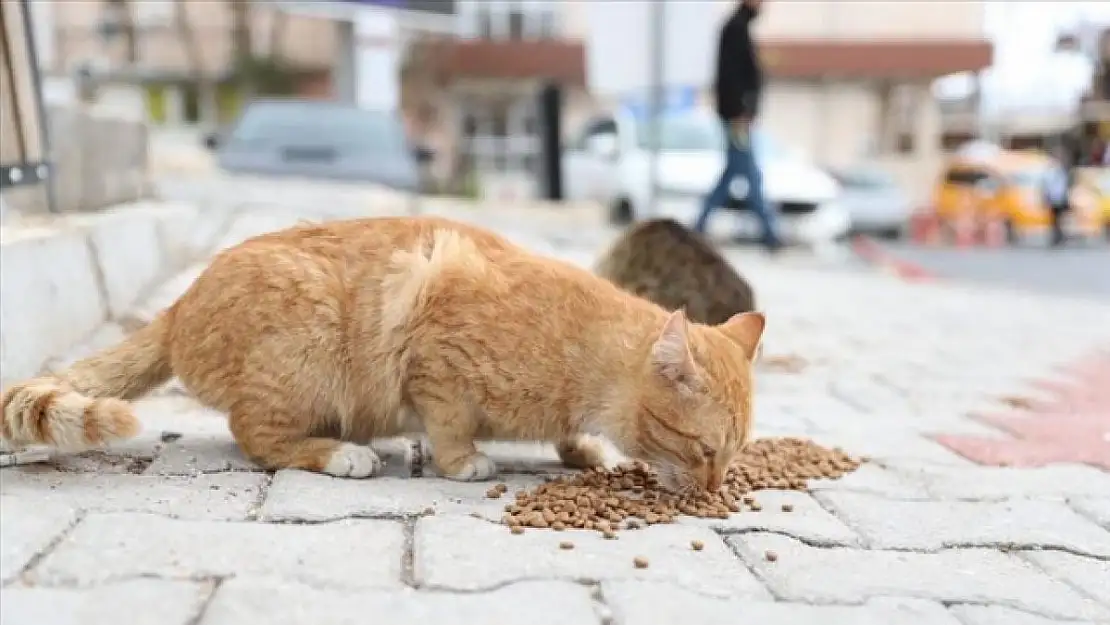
(640, 562)
(629, 495)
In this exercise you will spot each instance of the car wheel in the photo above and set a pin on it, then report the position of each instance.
(621, 213)
(891, 234)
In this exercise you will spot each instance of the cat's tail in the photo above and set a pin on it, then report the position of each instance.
(83, 406)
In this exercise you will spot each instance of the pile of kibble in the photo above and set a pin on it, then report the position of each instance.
(628, 496)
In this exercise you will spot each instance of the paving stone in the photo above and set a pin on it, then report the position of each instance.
(187, 438)
(1090, 575)
(215, 496)
(304, 496)
(999, 615)
(841, 575)
(135, 602)
(1063, 480)
(807, 521)
(240, 601)
(653, 603)
(873, 478)
(1095, 508)
(463, 553)
(935, 525)
(112, 546)
(889, 446)
(27, 528)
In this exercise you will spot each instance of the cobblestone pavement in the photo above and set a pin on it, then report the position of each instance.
(177, 528)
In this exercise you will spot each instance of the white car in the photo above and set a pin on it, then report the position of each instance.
(610, 162)
(874, 200)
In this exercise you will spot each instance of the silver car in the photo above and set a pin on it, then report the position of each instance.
(874, 201)
(319, 139)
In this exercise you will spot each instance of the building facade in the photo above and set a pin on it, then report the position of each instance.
(174, 43)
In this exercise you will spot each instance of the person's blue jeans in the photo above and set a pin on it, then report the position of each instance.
(740, 161)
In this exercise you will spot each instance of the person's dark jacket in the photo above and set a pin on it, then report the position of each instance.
(739, 75)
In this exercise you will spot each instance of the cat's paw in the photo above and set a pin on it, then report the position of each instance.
(477, 467)
(581, 453)
(351, 460)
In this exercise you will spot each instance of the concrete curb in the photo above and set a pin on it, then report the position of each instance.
(874, 253)
(62, 279)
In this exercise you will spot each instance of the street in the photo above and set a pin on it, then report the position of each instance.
(986, 500)
(1077, 271)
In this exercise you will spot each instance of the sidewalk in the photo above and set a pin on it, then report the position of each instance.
(997, 519)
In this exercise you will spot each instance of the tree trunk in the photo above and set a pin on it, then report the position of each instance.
(277, 35)
(191, 47)
(241, 42)
(125, 19)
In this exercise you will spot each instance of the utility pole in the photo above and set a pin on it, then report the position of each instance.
(657, 46)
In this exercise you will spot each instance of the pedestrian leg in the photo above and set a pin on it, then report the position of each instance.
(749, 168)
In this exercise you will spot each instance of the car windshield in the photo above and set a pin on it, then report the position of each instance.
(1027, 179)
(699, 133)
(865, 179)
(318, 124)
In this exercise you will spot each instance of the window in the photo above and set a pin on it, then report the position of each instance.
(516, 24)
(546, 25)
(153, 12)
(514, 19)
(596, 127)
(485, 24)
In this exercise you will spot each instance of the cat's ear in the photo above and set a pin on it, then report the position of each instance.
(670, 355)
(746, 330)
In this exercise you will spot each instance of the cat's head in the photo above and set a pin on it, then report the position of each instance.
(695, 402)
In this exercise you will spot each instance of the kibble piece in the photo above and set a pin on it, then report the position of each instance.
(697, 545)
(756, 506)
(517, 529)
(493, 493)
(501, 488)
(609, 534)
(771, 556)
(640, 562)
(566, 544)
(786, 507)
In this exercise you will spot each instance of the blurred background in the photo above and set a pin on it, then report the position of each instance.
(931, 125)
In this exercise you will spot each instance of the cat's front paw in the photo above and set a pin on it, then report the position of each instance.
(581, 453)
(476, 468)
(351, 460)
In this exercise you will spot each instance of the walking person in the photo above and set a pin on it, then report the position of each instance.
(1056, 183)
(738, 84)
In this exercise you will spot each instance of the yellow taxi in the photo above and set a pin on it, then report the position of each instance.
(1091, 193)
(1006, 185)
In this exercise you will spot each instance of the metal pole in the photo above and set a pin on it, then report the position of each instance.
(656, 45)
(44, 123)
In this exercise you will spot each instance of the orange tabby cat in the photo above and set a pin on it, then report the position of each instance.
(319, 338)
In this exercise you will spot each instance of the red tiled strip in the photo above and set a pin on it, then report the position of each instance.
(873, 253)
(1072, 426)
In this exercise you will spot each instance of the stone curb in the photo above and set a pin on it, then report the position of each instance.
(61, 279)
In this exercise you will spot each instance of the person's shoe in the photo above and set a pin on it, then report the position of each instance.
(774, 249)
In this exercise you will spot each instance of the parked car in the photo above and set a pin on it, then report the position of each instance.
(319, 139)
(1008, 185)
(874, 200)
(610, 162)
